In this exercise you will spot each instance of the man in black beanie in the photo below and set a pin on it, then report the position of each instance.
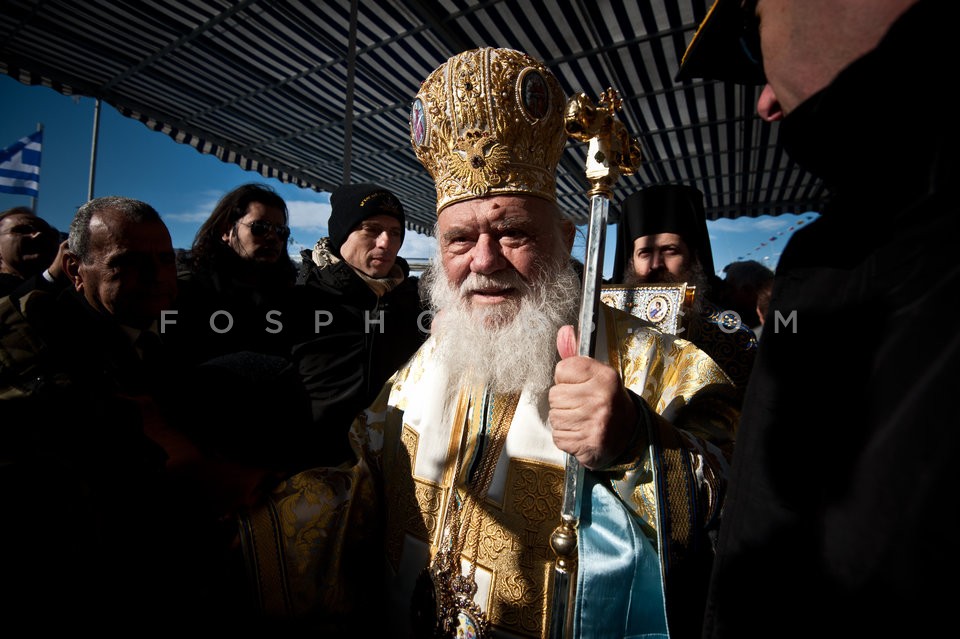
(662, 238)
(366, 208)
(376, 319)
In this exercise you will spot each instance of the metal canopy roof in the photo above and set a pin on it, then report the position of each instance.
(309, 92)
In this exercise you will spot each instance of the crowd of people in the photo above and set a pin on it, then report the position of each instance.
(157, 406)
(231, 443)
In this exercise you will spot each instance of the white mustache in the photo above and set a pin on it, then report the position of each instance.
(501, 280)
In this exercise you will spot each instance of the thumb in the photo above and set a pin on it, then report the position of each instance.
(566, 342)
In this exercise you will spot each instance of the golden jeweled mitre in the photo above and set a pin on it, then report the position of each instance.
(487, 122)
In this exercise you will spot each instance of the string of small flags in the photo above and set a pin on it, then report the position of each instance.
(775, 237)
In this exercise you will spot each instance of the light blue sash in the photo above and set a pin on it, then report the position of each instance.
(619, 593)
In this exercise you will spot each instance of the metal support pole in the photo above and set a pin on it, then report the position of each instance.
(93, 147)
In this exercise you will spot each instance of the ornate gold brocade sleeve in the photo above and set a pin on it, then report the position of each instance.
(680, 459)
(309, 547)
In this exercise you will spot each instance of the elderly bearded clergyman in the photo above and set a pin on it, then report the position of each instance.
(443, 522)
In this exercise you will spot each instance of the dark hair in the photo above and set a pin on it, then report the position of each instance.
(744, 287)
(18, 210)
(228, 210)
(763, 298)
(748, 274)
(132, 210)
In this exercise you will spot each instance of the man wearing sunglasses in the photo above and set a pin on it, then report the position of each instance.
(838, 519)
(236, 290)
(258, 245)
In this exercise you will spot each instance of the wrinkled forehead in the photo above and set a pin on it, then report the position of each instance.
(500, 211)
(15, 219)
(113, 232)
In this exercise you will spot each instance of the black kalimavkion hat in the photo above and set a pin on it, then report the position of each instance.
(663, 208)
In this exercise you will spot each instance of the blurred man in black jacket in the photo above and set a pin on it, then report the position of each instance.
(842, 492)
(370, 317)
(94, 532)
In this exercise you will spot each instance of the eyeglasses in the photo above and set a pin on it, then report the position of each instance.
(261, 228)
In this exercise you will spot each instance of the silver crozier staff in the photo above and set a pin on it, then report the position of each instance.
(610, 152)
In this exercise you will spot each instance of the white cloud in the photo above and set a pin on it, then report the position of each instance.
(308, 223)
(309, 216)
(418, 246)
(187, 218)
(201, 211)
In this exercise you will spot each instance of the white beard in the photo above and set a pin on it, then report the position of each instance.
(511, 346)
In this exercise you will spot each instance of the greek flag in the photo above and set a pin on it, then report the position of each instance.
(20, 166)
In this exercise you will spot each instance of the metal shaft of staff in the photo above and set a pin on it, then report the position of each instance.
(565, 539)
(611, 152)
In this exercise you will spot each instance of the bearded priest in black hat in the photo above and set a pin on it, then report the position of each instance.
(662, 238)
(461, 458)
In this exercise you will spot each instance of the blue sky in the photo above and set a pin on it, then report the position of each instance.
(184, 184)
